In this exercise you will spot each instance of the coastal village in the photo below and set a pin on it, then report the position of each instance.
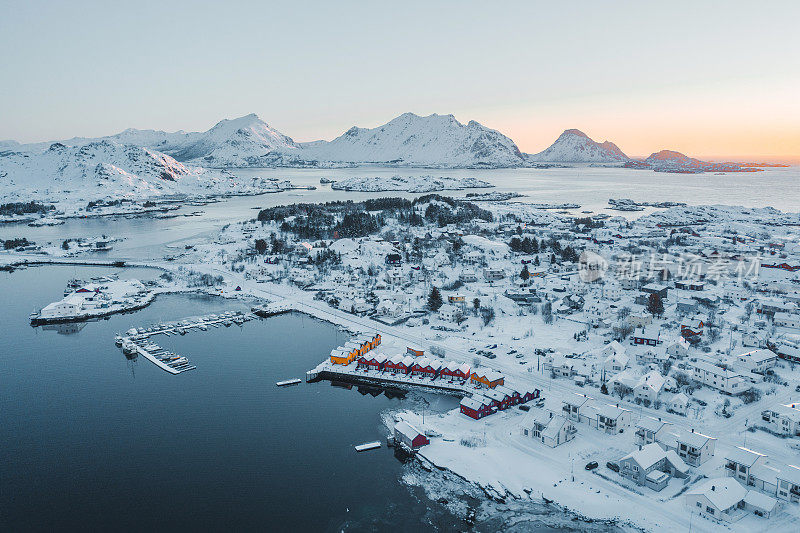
(600, 360)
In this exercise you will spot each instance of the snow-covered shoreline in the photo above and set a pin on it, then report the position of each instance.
(412, 184)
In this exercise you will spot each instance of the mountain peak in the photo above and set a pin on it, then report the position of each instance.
(409, 139)
(573, 131)
(574, 146)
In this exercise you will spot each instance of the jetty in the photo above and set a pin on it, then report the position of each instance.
(352, 374)
(164, 359)
(273, 309)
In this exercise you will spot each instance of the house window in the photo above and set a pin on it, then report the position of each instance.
(699, 504)
(709, 510)
(526, 432)
(742, 469)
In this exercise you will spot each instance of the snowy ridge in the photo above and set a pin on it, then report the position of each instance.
(412, 140)
(574, 146)
(106, 170)
(246, 141)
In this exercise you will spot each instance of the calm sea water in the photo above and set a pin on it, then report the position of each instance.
(91, 440)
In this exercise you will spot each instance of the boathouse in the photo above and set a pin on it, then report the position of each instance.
(372, 361)
(408, 436)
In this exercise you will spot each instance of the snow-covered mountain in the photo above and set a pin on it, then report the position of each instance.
(246, 141)
(96, 169)
(412, 140)
(574, 146)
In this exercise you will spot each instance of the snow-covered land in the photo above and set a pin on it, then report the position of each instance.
(409, 184)
(574, 146)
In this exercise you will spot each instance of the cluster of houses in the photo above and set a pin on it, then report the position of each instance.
(413, 363)
(605, 417)
(354, 348)
(499, 398)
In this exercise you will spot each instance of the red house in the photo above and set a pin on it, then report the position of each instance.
(453, 371)
(425, 367)
(399, 364)
(372, 361)
(514, 397)
(528, 395)
(474, 408)
(499, 399)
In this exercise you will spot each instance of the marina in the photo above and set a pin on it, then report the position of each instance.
(136, 340)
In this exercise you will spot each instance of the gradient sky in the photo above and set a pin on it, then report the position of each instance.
(716, 79)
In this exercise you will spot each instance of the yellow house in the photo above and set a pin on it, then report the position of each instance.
(343, 356)
(487, 378)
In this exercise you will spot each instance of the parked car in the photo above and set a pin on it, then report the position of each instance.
(525, 407)
(591, 466)
(612, 466)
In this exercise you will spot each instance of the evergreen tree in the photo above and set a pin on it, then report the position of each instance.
(525, 274)
(476, 305)
(434, 299)
(654, 305)
(604, 388)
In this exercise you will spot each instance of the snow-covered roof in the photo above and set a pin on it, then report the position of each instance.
(759, 356)
(647, 456)
(743, 456)
(652, 380)
(692, 438)
(649, 423)
(791, 474)
(607, 410)
(723, 493)
(760, 501)
(407, 430)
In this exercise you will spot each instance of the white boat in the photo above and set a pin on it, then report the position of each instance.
(288, 382)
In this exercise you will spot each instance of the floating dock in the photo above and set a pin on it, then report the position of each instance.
(368, 446)
(288, 382)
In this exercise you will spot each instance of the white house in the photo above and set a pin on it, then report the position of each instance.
(573, 407)
(612, 291)
(649, 387)
(616, 362)
(694, 448)
(719, 378)
(609, 418)
(758, 361)
(448, 313)
(783, 419)
(786, 320)
(649, 429)
(551, 430)
(718, 498)
(652, 466)
(789, 484)
(679, 404)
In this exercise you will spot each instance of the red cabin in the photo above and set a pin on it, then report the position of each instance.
(474, 408)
